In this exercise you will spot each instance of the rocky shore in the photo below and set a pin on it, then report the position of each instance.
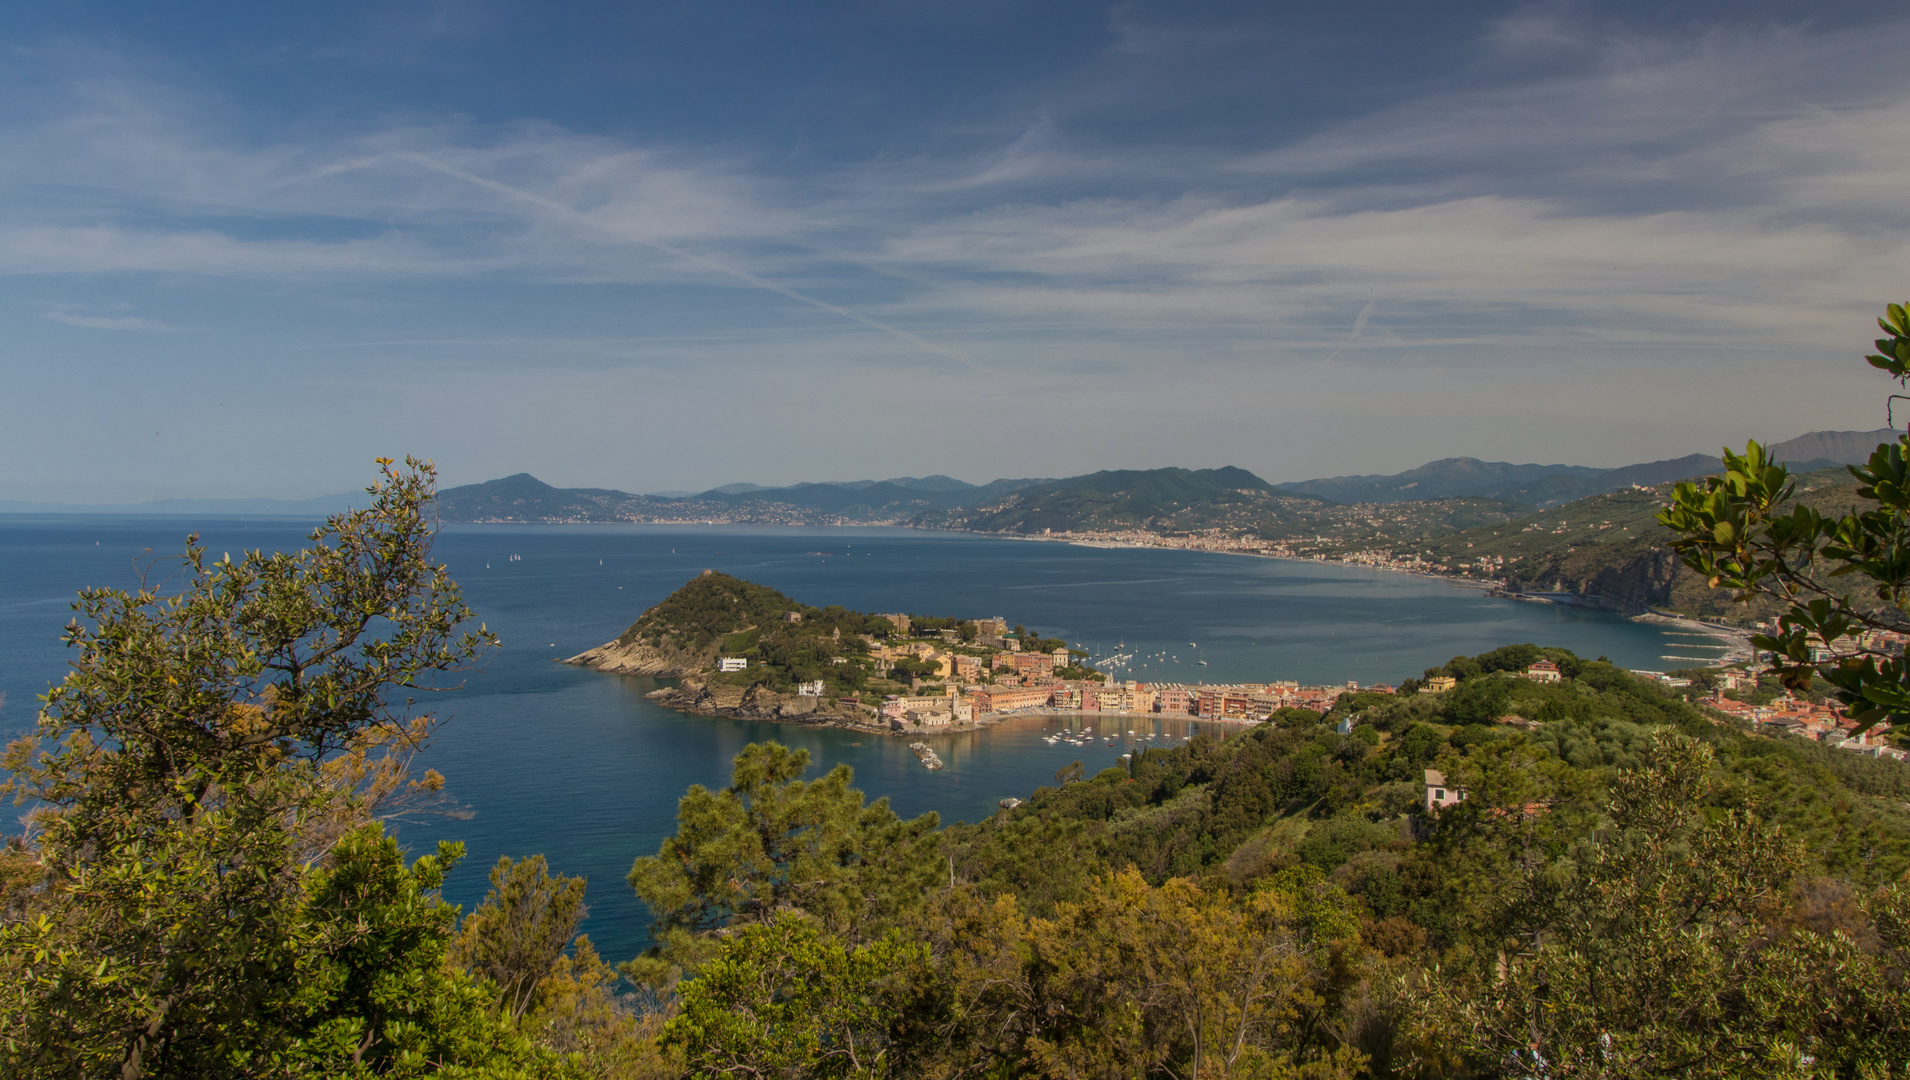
(633, 657)
(692, 695)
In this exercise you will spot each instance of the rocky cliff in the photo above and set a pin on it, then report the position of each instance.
(633, 656)
(757, 703)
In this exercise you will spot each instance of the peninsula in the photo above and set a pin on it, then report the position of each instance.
(745, 651)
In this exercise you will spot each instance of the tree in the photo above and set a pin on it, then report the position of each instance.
(516, 935)
(1660, 948)
(782, 999)
(771, 843)
(200, 802)
(1741, 531)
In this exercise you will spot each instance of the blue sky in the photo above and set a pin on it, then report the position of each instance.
(246, 248)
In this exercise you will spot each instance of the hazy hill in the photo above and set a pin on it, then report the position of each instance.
(1162, 499)
(523, 497)
(901, 497)
(1832, 447)
(1553, 485)
(1608, 550)
(1449, 477)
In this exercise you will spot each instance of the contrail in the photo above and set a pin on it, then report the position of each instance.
(1358, 325)
(581, 218)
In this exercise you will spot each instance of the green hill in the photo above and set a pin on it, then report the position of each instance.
(1162, 500)
(1609, 551)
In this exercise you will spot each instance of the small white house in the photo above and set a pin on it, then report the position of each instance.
(1440, 794)
(809, 689)
(732, 663)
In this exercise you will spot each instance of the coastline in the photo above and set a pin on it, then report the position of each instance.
(1737, 643)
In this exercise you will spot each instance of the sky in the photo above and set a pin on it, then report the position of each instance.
(247, 248)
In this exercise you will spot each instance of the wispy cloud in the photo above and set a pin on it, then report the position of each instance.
(1621, 204)
(107, 322)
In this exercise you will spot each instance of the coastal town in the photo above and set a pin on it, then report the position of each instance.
(962, 684)
(737, 649)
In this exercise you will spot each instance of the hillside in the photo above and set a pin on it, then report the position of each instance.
(1554, 485)
(524, 498)
(1155, 499)
(889, 499)
(1609, 551)
(783, 643)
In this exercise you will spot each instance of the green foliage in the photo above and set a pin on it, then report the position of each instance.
(771, 843)
(781, 999)
(1650, 951)
(208, 901)
(1837, 575)
(516, 935)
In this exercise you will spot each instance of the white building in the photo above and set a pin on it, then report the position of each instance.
(1440, 794)
(809, 689)
(732, 663)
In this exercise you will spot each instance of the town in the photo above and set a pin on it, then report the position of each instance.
(980, 671)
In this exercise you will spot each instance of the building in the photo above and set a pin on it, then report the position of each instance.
(1439, 684)
(999, 699)
(1173, 699)
(968, 668)
(809, 689)
(1031, 665)
(901, 622)
(732, 663)
(1440, 794)
(792, 616)
(1544, 671)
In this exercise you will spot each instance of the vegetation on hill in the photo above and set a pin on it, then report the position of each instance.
(785, 643)
(1629, 889)
(524, 498)
(1125, 499)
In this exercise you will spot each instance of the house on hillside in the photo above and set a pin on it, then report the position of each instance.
(1544, 671)
(1440, 794)
(732, 663)
(1440, 683)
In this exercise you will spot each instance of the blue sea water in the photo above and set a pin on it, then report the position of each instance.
(579, 766)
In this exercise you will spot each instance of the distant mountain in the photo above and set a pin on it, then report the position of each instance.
(1127, 499)
(319, 507)
(1832, 447)
(1453, 477)
(1552, 485)
(899, 498)
(523, 497)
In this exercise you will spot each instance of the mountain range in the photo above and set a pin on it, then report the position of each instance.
(523, 497)
(1201, 498)
(1551, 485)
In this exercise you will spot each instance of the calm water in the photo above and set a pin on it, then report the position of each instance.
(578, 766)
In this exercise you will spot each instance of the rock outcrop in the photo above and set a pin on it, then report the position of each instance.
(756, 703)
(636, 657)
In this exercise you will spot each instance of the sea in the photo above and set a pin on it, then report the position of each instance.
(580, 767)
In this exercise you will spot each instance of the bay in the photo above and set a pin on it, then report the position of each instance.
(580, 767)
